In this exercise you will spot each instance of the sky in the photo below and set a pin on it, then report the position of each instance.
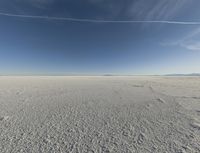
(96, 37)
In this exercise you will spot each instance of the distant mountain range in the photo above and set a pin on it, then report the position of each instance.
(191, 74)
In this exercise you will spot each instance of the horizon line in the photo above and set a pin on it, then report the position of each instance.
(103, 75)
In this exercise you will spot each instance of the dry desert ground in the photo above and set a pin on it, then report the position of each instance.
(99, 114)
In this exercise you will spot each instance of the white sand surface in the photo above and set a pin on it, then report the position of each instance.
(100, 114)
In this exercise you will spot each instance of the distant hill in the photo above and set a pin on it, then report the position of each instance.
(108, 75)
(191, 74)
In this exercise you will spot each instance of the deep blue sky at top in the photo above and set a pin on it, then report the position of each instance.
(40, 46)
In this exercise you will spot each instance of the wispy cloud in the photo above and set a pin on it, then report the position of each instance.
(190, 41)
(156, 10)
(100, 21)
(137, 11)
(192, 45)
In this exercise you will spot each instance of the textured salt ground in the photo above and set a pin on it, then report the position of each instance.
(100, 114)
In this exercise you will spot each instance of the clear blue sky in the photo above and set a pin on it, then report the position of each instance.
(48, 46)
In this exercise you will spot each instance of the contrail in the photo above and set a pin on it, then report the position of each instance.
(99, 21)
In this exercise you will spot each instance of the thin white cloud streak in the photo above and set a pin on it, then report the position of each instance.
(191, 45)
(189, 42)
(99, 21)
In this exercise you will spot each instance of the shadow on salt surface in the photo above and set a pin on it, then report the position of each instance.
(4, 118)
